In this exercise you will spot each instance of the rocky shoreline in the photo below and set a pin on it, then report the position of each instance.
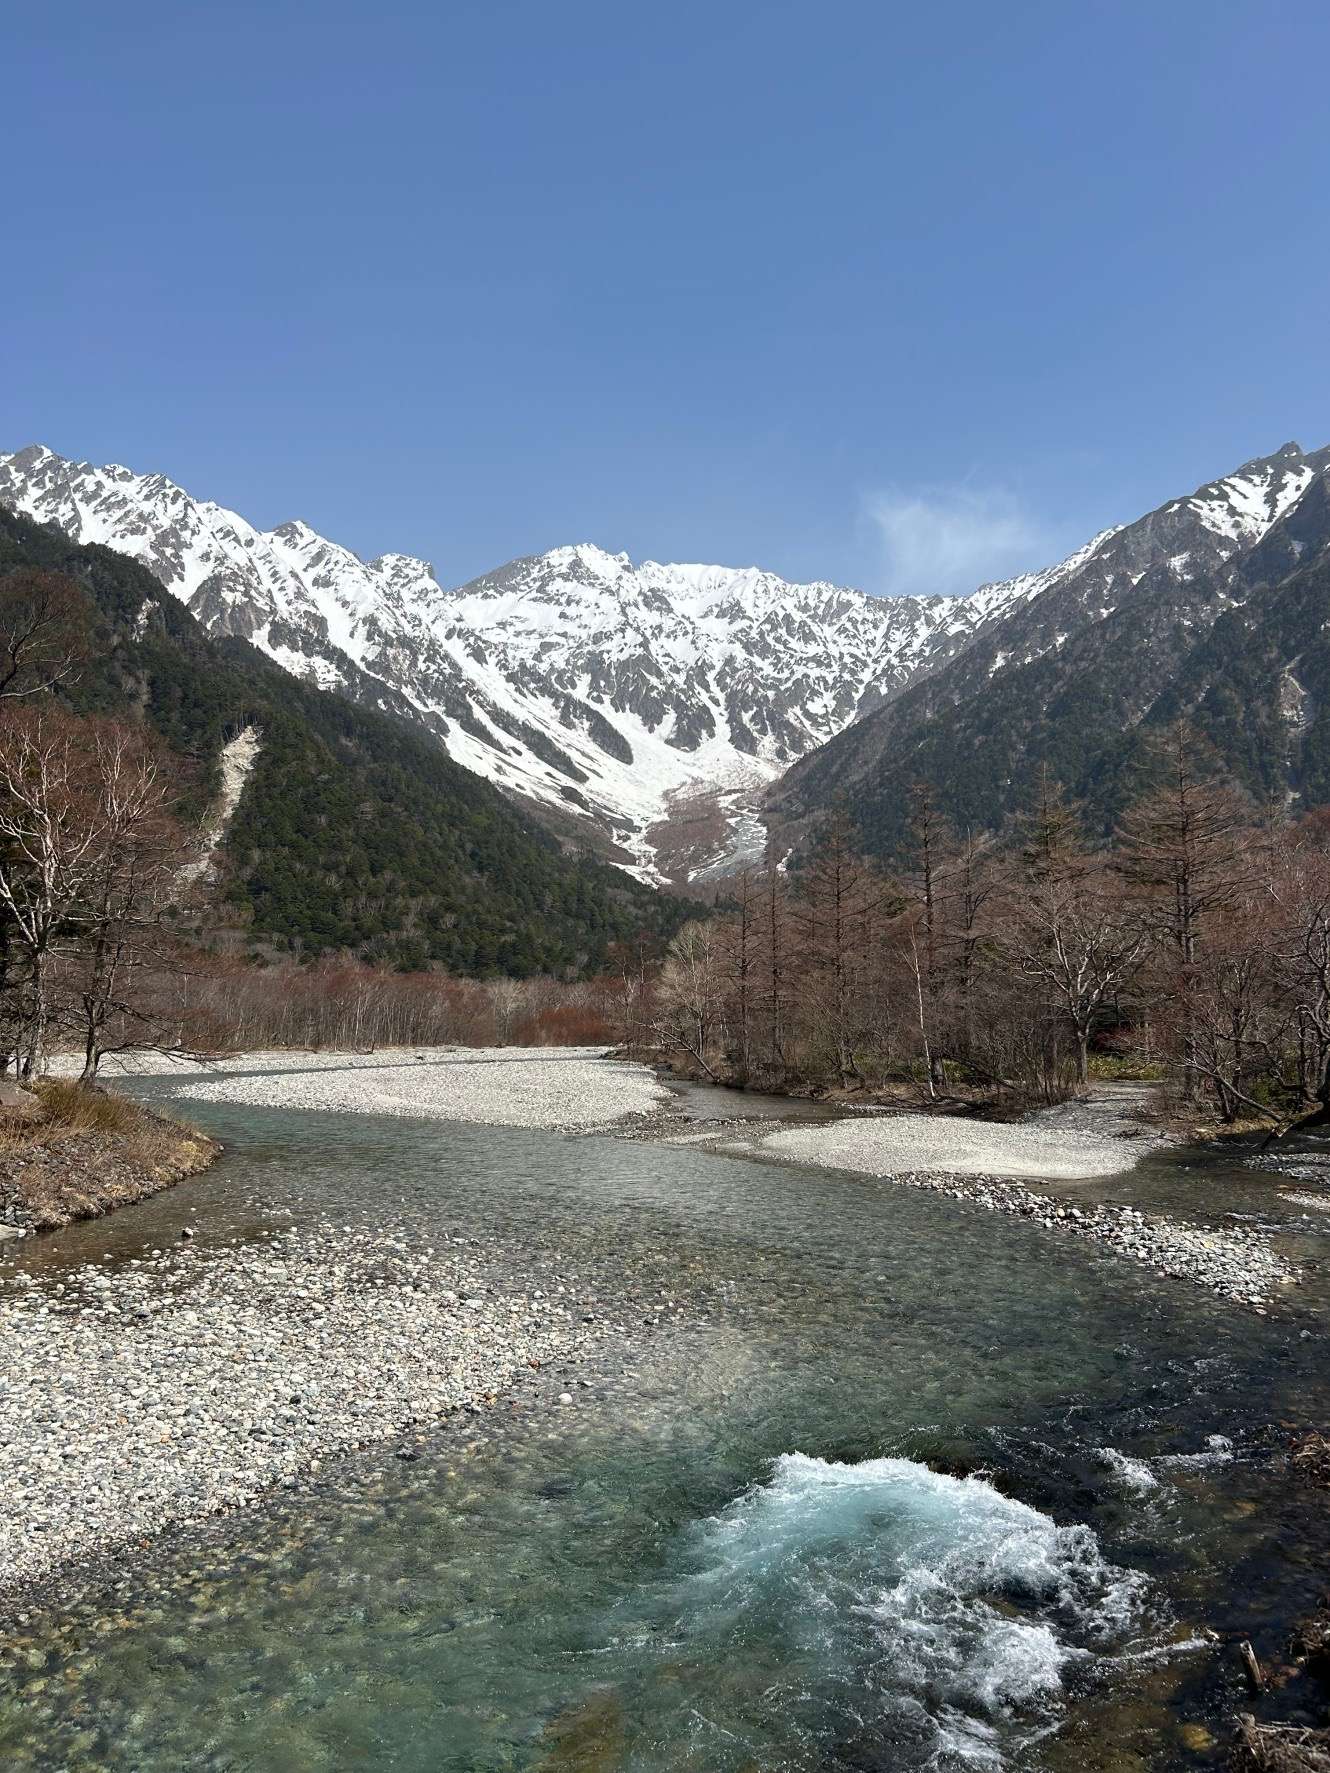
(556, 1089)
(575, 1090)
(188, 1383)
(50, 1179)
(1236, 1263)
(174, 1389)
(301, 1346)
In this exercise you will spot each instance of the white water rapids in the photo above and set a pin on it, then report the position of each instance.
(959, 1609)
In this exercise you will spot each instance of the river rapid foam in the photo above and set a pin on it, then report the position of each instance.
(960, 1611)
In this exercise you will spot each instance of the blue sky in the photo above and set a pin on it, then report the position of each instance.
(899, 296)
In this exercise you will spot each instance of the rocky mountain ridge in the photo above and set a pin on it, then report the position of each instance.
(646, 706)
(332, 828)
(666, 713)
(1176, 614)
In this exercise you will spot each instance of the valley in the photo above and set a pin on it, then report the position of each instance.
(675, 717)
(526, 1447)
(665, 890)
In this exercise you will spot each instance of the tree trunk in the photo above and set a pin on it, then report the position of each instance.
(35, 1048)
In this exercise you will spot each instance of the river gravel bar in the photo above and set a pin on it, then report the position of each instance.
(563, 1089)
(183, 1385)
(575, 1089)
(973, 1161)
(900, 1144)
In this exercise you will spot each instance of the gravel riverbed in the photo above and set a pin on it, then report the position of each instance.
(906, 1143)
(1237, 1263)
(562, 1089)
(186, 1384)
(574, 1089)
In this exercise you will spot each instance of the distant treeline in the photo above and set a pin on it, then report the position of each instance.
(1195, 946)
(347, 1006)
(113, 927)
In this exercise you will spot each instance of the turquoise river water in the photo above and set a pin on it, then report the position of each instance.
(892, 1483)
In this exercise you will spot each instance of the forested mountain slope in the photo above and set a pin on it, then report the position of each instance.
(644, 706)
(354, 830)
(1213, 607)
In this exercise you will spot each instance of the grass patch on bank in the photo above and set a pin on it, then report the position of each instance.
(86, 1109)
(86, 1151)
(1125, 1068)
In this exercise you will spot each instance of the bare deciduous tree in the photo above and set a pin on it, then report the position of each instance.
(1181, 851)
(690, 992)
(835, 913)
(135, 877)
(1068, 924)
(50, 830)
(44, 628)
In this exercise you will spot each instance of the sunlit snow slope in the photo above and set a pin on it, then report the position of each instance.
(647, 706)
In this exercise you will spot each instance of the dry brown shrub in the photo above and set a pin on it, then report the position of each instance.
(91, 1152)
(1279, 1748)
(74, 1107)
(1310, 1457)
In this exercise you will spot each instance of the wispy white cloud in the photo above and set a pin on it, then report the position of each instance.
(950, 540)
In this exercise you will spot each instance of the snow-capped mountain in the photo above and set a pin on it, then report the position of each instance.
(1178, 614)
(651, 703)
(647, 707)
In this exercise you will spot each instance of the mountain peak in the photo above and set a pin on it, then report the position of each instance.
(402, 564)
(587, 554)
(653, 702)
(1288, 454)
(31, 456)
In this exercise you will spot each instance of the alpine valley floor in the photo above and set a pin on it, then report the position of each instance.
(439, 1443)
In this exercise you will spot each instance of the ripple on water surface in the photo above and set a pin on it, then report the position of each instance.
(663, 1581)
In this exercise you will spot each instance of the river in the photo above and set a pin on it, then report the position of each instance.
(890, 1482)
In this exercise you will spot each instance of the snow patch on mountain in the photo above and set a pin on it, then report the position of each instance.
(1241, 507)
(990, 601)
(599, 690)
(652, 703)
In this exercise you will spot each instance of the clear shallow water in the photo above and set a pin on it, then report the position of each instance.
(1222, 1184)
(759, 1542)
(702, 1102)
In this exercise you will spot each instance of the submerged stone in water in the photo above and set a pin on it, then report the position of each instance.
(590, 1738)
(1196, 1738)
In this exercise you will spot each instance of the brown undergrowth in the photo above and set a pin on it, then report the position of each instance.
(87, 1151)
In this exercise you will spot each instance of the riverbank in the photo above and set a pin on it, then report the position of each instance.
(1001, 1166)
(68, 1154)
(305, 1344)
(556, 1089)
(299, 1346)
(462, 1577)
(1003, 1104)
(1236, 1264)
